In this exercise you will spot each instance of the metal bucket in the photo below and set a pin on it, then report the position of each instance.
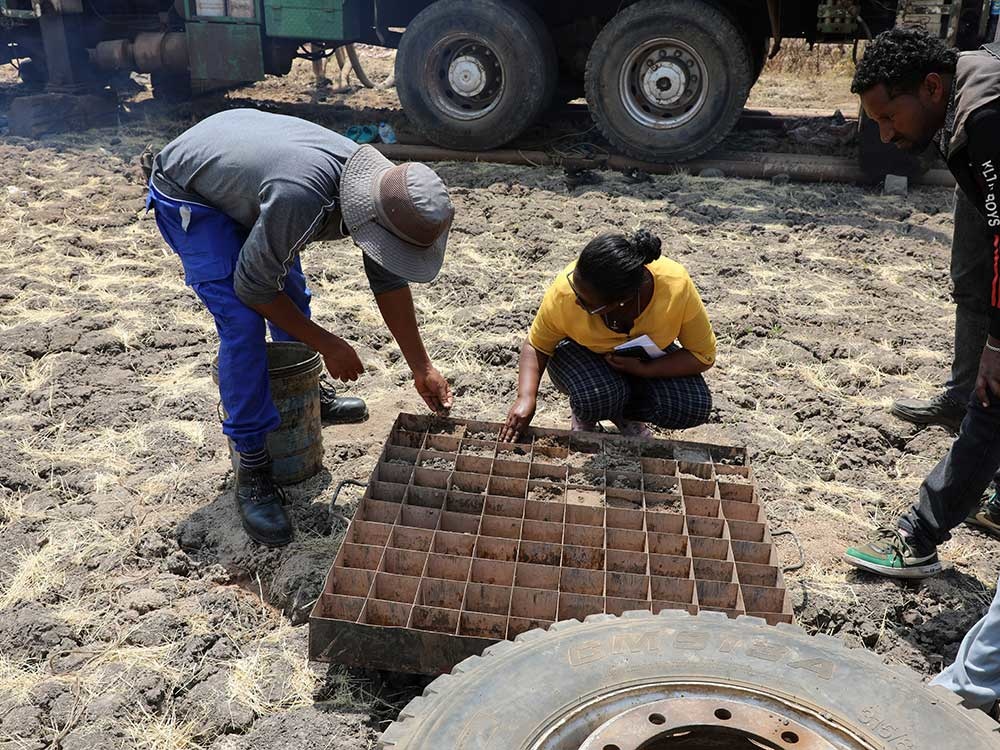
(296, 447)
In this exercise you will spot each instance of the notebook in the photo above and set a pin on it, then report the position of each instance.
(641, 347)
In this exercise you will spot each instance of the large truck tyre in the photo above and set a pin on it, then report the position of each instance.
(667, 79)
(674, 681)
(473, 74)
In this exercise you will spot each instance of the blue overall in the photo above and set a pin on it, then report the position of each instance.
(208, 243)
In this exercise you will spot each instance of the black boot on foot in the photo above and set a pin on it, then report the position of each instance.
(940, 410)
(261, 505)
(342, 410)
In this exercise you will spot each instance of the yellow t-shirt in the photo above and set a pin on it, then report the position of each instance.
(675, 313)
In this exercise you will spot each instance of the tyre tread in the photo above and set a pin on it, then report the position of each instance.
(395, 736)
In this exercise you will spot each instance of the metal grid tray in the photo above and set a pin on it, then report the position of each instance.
(461, 541)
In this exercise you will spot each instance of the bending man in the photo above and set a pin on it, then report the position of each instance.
(238, 197)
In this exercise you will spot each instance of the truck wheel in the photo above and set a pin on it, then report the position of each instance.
(667, 79)
(673, 681)
(473, 74)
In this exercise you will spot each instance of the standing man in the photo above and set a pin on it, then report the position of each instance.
(919, 91)
(238, 197)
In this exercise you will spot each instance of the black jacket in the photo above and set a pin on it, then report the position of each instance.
(973, 149)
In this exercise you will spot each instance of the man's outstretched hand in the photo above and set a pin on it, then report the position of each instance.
(434, 390)
(340, 358)
(988, 380)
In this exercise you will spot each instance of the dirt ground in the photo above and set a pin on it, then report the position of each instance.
(133, 611)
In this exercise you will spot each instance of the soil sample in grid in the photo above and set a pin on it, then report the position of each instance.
(461, 541)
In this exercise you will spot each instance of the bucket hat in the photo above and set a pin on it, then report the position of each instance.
(398, 215)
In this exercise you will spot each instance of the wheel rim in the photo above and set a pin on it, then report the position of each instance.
(465, 77)
(702, 715)
(663, 83)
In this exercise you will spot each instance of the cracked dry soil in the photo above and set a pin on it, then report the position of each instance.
(134, 612)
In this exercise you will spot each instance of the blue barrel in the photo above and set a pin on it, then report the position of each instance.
(296, 447)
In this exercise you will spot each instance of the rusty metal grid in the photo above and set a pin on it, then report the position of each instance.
(461, 541)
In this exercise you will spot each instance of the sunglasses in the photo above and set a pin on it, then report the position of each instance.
(596, 310)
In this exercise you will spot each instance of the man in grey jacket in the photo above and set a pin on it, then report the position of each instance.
(919, 92)
(237, 197)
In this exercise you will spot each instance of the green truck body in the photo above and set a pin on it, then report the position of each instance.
(474, 75)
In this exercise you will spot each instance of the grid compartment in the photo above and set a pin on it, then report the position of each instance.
(450, 567)
(461, 540)
(386, 614)
(534, 604)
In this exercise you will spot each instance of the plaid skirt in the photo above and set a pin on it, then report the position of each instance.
(597, 391)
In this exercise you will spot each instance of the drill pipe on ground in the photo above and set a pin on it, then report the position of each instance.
(762, 166)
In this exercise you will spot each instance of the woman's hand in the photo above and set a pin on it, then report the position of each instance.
(628, 365)
(340, 358)
(530, 367)
(434, 390)
(518, 418)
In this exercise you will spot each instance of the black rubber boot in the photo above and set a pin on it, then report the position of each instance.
(261, 505)
(940, 410)
(342, 410)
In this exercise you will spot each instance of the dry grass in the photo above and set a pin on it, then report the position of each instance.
(17, 678)
(799, 58)
(251, 677)
(34, 575)
(803, 78)
(828, 582)
(780, 308)
(163, 732)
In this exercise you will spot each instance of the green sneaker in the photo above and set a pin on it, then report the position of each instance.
(890, 554)
(987, 515)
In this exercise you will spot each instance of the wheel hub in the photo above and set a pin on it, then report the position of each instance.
(702, 723)
(466, 79)
(695, 715)
(663, 83)
(467, 75)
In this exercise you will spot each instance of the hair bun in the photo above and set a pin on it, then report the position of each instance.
(646, 244)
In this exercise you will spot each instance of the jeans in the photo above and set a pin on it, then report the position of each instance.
(209, 243)
(975, 675)
(955, 486)
(971, 273)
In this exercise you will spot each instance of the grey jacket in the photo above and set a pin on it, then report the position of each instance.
(973, 150)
